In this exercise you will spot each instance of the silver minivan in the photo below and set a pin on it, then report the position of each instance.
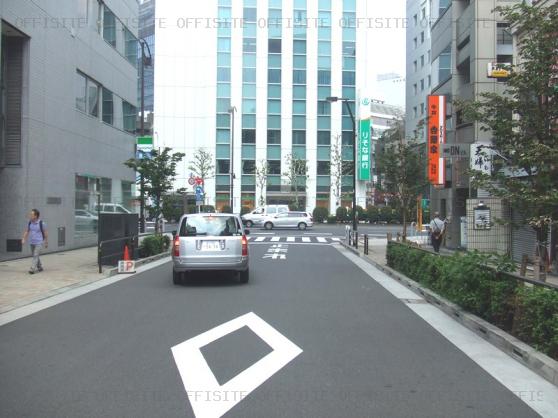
(257, 215)
(210, 241)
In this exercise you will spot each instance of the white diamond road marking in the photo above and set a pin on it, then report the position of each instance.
(207, 397)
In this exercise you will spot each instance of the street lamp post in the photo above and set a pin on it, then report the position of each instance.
(346, 101)
(232, 111)
(145, 60)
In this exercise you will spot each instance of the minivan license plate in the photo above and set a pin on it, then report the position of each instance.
(211, 246)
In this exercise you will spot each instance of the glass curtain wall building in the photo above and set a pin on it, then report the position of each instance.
(275, 62)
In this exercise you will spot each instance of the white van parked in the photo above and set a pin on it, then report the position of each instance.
(257, 216)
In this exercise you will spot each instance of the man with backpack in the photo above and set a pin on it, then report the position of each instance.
(437, 229)
(38, 237)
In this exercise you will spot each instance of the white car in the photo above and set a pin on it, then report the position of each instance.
(300, 220)
(85, 220)
(257, 215)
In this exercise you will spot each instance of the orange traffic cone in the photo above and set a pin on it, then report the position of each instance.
(126, 253)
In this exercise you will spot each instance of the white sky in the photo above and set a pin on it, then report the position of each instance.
(386, 46)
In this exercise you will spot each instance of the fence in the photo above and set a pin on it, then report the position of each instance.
(109, 252)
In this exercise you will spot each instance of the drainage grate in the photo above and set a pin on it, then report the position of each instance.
(415, 301)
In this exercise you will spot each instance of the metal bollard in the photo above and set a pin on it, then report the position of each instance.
(356, 239)
(365, 244)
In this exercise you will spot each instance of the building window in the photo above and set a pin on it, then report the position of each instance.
(130, 47)
(108, 106)
(349, 49)
(248, 167)
(299, 137)
(415, 19)
(422, 85)
(422, 109)
(422, 61)
(299, 107)
(274, 76)
(129, 114)
(299, 47)
(323, 168)
(415, 112)
(504, 36)
(248, 45)
(324, 138)
(273, 167)
(299, 76)
(223, 74)
(223, 166)
(441, 66)
(248, 136)
(109, 26)
(274, 46)
(422, 37)
(415, 43)
(349, 78)
(324, 108)
(87, 99)
(324, 77)
(250, 14)
(274, 107)
(415, 90)
(415, 67)
(273, 137)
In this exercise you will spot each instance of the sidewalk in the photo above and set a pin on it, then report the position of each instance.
(62, 271)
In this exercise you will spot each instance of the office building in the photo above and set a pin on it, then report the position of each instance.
(68, 112)
(467, 36)
(266, 68)
(418, 78)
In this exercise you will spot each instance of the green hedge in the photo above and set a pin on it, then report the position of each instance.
(320, 214)
(154, 244)
(478, 283)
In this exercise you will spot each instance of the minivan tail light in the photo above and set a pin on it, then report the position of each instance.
(176, 246)
(244, 246)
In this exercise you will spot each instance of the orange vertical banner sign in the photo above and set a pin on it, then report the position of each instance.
(436, 137)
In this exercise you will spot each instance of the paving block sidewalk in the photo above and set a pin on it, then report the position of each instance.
(62, 271)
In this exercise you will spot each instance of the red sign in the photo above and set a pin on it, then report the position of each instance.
(436, 137)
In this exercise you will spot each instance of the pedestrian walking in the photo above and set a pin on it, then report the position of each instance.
(37, 234)
(437, 229)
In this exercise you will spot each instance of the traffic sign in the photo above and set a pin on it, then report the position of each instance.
(191, 181)
(199, 190)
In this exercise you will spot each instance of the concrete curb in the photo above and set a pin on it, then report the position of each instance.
(538, 362)
(114, 271)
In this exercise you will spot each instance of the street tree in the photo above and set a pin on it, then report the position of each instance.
(402, 167)
(297, 175)
(158, 169)
(262, 171)
(523, 123)
(336, 169)
(202, 164)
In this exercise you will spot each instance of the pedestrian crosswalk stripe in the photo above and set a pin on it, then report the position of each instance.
(321, 239)
(290, 239)
(275, 239)
(336, 239)
(260, 239)
(305, 239)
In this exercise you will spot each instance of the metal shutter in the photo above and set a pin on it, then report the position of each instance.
(523, 239)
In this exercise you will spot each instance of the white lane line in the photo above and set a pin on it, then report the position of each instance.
(305, 239)
(208, 398)
(335, 239)
(318, 233)
(275, 239)
(290, 239)
(516, 377)
(321, 239)
(260, 239)
(250, 238)
(262, 233)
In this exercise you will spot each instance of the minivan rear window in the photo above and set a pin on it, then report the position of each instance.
(209, 226)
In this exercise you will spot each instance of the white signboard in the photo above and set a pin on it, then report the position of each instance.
(126, 266)
(481, 158)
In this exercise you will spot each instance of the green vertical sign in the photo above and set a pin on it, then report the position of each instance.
(364, 145)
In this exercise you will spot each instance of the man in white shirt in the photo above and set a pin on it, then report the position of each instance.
(437, 229)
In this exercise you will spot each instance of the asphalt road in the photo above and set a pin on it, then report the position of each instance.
(356, 350)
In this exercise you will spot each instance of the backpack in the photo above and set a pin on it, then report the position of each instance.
(40, 226)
